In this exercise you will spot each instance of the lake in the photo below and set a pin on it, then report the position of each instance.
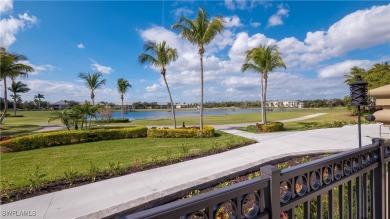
(182, 113)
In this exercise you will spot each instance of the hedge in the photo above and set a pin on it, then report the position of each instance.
(190, 132)
(270, 127)
(50, 139)
(126, 120)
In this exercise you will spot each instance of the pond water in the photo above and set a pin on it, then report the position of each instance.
(181, 113)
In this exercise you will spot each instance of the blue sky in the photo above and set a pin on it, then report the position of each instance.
(320, 42)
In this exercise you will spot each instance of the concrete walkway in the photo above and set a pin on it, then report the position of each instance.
(107, 197)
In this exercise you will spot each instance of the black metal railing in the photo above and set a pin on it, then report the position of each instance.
(352, 184)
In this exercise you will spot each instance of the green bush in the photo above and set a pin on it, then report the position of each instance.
(49, 139)
(113, 121)
(190, 132)
(270, 127)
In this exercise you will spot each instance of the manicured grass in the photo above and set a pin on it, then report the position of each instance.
(236, 118)
(31, 117)
(12, 130)
(336, 114)
(332, 115)
(17, 167)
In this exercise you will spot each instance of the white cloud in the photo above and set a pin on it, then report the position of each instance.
(276, 19)
(100, 68)
(5, 6)
(244, 4)
(59, 90)
(11, 26)
(233, 21)
(182, 12)
(80, 46)
(340, 69)
(38, 68)
(358, 30)
(153, 88)
(255, 24)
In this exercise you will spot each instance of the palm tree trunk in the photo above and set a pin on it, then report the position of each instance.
(201, 92)
(5, 101)
(93, 98)
(39, 104)
(265, 100)
(122, 107)
(170, 97)
(262, 100)
(14, 104)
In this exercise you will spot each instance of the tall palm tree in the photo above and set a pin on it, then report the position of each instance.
(355, 71)
(92, 82)
(200, 31)
(11, 68)
(17, 87)
(160, 55)
(263, 59)
(123, 85)
(39, 97)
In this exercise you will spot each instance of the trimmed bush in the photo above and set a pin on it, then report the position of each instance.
(112, 121)
(50, 139)
(190, 132)
(270, 127)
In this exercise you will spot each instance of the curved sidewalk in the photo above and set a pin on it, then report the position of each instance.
(108, 197)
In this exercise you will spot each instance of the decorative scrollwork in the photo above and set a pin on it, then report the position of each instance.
(285, 191)
(337, 170)
(355, 164)
(327, 175)
(363, 161)
(196, 215)
(347, 167)
(250, 205)
(300, 185)
(315, 180)
(226, 210)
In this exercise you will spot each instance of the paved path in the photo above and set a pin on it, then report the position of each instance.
(49, 127)
(107, 197)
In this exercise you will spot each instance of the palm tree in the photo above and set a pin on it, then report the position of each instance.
(160, 55)
(92, 82)
(200, 31)
(263, 59)
(17, 87)
(122, 88)
(353, 74)
(11, 68)
(39, 97)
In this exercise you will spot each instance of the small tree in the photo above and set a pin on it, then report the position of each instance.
(160, 55)
(17, 87)
(92, 82)
(38, 97)
(122, 86)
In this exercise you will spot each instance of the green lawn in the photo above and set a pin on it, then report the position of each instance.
(17, 167)
(17, 129)
(238, 118)
(31, 117)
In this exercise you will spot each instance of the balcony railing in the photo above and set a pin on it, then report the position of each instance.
(352, 184)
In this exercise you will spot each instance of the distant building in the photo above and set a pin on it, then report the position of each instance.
(60, 105)
(285, 104)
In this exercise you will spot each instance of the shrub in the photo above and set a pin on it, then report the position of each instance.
(270, 127)
(49, 139)
(113, 121)
(190, 132)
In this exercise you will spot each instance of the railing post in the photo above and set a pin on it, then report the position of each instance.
(379, 182)
(273, 173)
